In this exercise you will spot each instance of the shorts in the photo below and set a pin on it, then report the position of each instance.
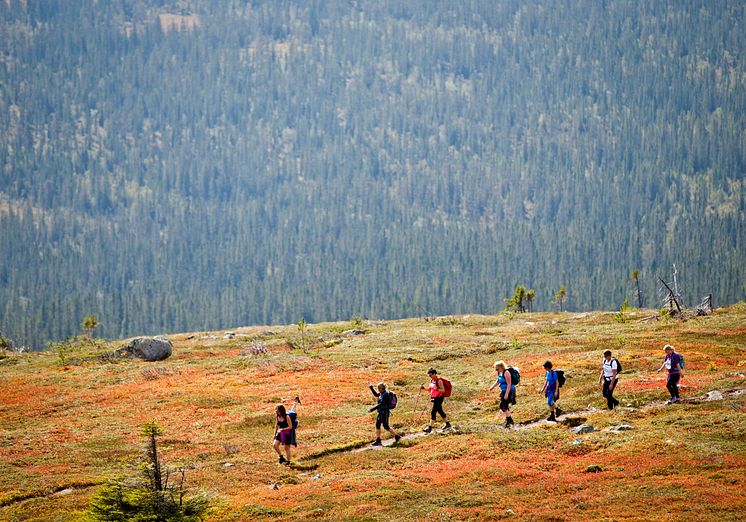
(551, 399)
(382, 419)
(285, 437)
(505, 403)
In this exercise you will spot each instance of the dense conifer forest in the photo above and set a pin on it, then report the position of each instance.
(183, 165)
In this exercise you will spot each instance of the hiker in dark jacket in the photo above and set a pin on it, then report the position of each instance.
(383, 407)
(672, 363)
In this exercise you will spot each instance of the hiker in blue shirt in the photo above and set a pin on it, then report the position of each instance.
(507, 390)
(551, 391)
(384, 410)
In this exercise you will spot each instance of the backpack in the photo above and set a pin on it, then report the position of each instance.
(392, 400)
(681, 360)
(560, 377)
(294, 419)
(515, 375)
(618, 366)
(447, 387)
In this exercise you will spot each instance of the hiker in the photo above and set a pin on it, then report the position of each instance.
(551, 391)
(285, 422)
(673, 364)
(609, 378)
(507, 390)
(437, 396)
(384, 409)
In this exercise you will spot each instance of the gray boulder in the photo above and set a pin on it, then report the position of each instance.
(621, 427)
(583, 428)
(147, 349)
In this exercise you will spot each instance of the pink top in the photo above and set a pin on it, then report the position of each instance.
(434, 389)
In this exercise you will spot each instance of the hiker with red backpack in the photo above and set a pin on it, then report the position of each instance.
(551, 390)
(286, 421)
(439, 389)
(610, 369)
(506, 380)
(674, 363)
(386, 402)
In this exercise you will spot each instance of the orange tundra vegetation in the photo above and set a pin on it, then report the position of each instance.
(70, 429)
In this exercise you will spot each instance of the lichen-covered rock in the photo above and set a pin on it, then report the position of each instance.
(583, 428)
(147, 349)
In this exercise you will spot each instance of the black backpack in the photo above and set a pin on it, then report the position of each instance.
(392, 400)
(560, 377)
(618, 366)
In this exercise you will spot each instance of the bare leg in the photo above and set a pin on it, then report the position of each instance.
(277, 448)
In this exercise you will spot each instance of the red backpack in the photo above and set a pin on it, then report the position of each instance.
(446, 387)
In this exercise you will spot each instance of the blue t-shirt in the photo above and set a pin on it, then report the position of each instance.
(503, 383)
(551, 383)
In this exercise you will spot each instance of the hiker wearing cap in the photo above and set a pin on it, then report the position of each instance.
(672, 363)
(437, 395)
(609, 378)
(507, 390)
(284, 431)
(383, 407)
(551, 391)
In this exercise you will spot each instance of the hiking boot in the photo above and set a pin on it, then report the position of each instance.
(287, 463)
(397, 438)
(675, 400)
(446, 426)
(377, 442)
(281, 460)
(558, 411)
(509, 422)
(552, 418)
(428, 429)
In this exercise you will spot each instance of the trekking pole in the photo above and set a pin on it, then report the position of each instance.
(417, 401)
(423, 410)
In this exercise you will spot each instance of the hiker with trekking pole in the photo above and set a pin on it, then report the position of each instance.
(386, 402)
(439, 389)
(286, 422)
(506, 380)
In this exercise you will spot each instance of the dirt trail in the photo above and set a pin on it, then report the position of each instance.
(569, 418)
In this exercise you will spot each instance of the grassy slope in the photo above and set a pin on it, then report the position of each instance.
(76, 426)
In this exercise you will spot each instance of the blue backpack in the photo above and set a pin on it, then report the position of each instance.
(294, 419)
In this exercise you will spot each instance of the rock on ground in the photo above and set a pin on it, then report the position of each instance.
(147, 349)
(583, 428)
(621, 427)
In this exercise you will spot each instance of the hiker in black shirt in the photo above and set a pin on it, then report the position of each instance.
(384, 410)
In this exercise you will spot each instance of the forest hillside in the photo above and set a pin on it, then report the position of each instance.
(180, 165)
